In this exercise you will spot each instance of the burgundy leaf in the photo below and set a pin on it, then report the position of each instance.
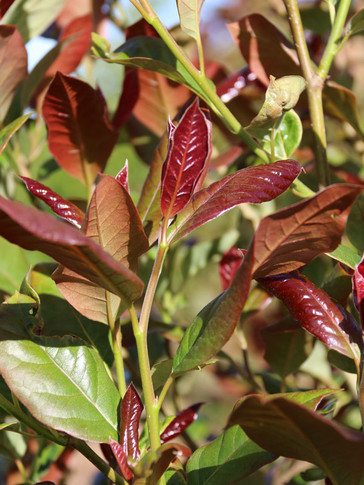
(358, 290)
(131, 409)
(232, 86)
(316, 312)
(252, 184)
(128, 98)
(187, 157)
(123, 176)
(121, 460)
(4, 5)
(58, 204)
(79, 133)
(229, 265)
(35, 230)
(180, 423)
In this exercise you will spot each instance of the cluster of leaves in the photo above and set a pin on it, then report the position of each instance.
(102, 259)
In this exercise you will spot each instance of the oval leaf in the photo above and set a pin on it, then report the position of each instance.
(189, 14)
(131, 410)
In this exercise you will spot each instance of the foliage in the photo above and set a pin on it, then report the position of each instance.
(185, 239)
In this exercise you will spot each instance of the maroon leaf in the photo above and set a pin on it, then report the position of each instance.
(251, 184)
(121, 460)
(58, 204)
(229, 265)
(79, 133)
(180, 423)
(131, 409)
(188, 154)
(358, 290)
(291, 237)
(123, 176)
(128, 98)
(4, 5)
(113, 223)
(316, 313)
(35, 230)
(13, 65)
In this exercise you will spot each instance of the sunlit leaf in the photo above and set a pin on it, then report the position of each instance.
(121, 459)
(358, 286)
(229, 265)
(180, 423)
(345, 255)
(8, 131)
(131, 410)
(189, 14)
(128, 98)
(123, 176)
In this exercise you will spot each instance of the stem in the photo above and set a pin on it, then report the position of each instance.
(164, 391)
(314, 92)
(333, 44)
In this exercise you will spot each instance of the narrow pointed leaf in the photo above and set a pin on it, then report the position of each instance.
(8, 131)
(314, 310)
(229, 265)
(290, 238)
(63, 208)
(189, 14)
(13, 65)
(129, 97)
(286, 428)
(79, 134)
(131, 410)
(188, 154)
(358, 289)
(180, 423)
(228, 459)
(123, 177)
(36, 230)
(251, 184)
(121, 459)
(113, 223)
(61, 381)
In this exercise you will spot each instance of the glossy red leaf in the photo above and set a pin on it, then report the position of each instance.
(121, 459)
(187, 157)
(252, 184)
(131, 410)
(232, 86)
(79, 134)
(60, 206)
(229, 265)
(358, 290)
(286, 428)
(314, 310)
(4, 5)
(129, 97)
(123, 176)
(112, 222)
(291, 237)
(32, 229)
(180, 423)
(13, 65)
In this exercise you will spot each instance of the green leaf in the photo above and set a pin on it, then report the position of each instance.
(8, 131)
(355, 25)
(228, 459)
(345, 255)
(189, 14)
(32, 17)
(61, 381)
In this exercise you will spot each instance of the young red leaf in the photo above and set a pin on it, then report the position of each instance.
(121, 459)
(58, 204)
(187, 157)
(131, 410)
(128, 98)
(35, 230)
(4, 5)
(316, 313)
(79, 134)
(291, 237)
(252, 184)
(112, 222)
(229, 265)
(123, 176)
(358, 290)
(13, 65)
(180, 423)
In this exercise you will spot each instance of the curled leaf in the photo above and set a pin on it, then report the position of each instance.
(180, 423)
(131, 409)
(121, 459)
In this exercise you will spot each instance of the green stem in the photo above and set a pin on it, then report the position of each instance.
(334, 44)
(314, 92)
(116, 345)
(164, 391)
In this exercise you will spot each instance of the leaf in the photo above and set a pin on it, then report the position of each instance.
(345, 255)
(293, 236)
(316, 313)
(13, 66)
(229, 265)
(286, 428)
(8, 131)
(36, 230)
(31, 18)
(122, 177)
(129, 97)
(188, 154)
(358, 290)
(228, 459)
(113, 223)
(121, 459)
(131, 410)
(252, 184)
(63, 208)
(80, 136)
(355, 25)
(189, 13)
(180, 423)
(61, 381)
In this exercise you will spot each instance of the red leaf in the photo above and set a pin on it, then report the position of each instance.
(229, 265)
(13, 65)
(232, 86)
(358, 290)
(180, 423)
(58, 204)
(121, 460)
(251, 184)
(188, 154)
(316, 312)
(79, 134)
(128, 98)
(123, 176)
(4, 5)
(35, 230)
(131, 409)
